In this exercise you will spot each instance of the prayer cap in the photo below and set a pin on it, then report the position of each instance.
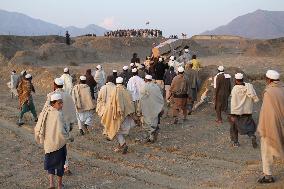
(66, 70)
(239, 76)
(149, 77)
(160, 59)
(272, 74)
(180, 69)
(227, 76)
(59, 81)
(221, 68)
(55, 96)
(134, 70)
(131, 64)
(28, 76)
(172, 58)
(114, 70)
(125, 68)
(186, 50)
(99, 67)
(83, 78)
(119, 80)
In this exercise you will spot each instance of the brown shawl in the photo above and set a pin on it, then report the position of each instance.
(24, 91)
(271, 118)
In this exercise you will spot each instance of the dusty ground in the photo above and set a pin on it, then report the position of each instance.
(194, 154)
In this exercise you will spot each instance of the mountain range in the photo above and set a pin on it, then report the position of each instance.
(13, 23)
(260, 24)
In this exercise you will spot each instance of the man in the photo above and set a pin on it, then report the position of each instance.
(142, 71)
(160, 69)
(222, 93)
(196, 65)
(152, 103)
(68, 110)
(26, 103)
(125, 75)
(13, 83)
(168, 78)
(90, 81)
(114, 74)
(174, 63)
(117, 118)
(135, 58)
(134, 85)
(99, 77)
(185, 58)
(271, 124)
(243, 97)
(68, 81)
(193, 80)
(84, 105)
(21, 77)
(53, 133)
(179, 91)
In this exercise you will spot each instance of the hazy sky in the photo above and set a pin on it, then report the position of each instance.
(171, 16)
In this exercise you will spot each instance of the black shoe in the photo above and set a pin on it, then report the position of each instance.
(236, 144)
(253, 142)
(124, 149)
(266, 180)
(20, 124)
(176, 121)
(82, 132)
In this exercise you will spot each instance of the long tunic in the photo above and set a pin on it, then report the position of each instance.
(134, 85)
(271, 118)
(82, 98)
(68, 84)
(104, 98)
(222, 92)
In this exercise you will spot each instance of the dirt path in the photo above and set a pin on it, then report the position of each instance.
(195, 154)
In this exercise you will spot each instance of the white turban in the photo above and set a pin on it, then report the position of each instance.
(55, 96)
(134, 70)
(172, 58)
(28, 76)
(160, 59)
(180, 69)
(66, 70)
(99, 67)
(59, 81)
(83, 78)
(149, 77)
(125, 68)
(221, 68)
(186, 50)
(119, 80)
(239, 76)
(272, 74)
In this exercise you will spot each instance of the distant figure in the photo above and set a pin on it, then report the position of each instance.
(195, 63)
(125, 75)
(67, 78)
(90, 81)
(135, 58)
(13, 83)
(67, 38)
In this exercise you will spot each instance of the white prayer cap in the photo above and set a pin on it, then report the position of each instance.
(239, 76)
(83, 78)
(134, 70)
(172, 58)
(186, 50)
(59, 81)
(99, 67)
(119, 80)
(22, 72)
(28, 76)
(221, 68)
(114, 70)
(227, 76)
(125, 68)
(149, 77)
(180, 69)
(131, 64)
(272, 74)
(160, 59)
(55, 96)
(66, 70)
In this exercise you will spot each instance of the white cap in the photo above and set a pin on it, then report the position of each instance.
(114, 70)
(186, 50)
(149, 77)
(134, 70)
(272, 74)
(59, 81)
(55, 96)
(221, 68)
(99, 67)
(28, 76)
(66, 70)
(180, 69)
(125, 68)
(83, 78)
(119, 80)
(131, 64)
(172, 58)
(22, 72)
(227, 76)
(239, 76)
(160, 59)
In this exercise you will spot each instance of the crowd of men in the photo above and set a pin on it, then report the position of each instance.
(146, 33)
(137, 96)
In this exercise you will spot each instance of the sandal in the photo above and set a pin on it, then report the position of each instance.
(266, 180)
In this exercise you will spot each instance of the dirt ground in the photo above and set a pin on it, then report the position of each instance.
(194, 154)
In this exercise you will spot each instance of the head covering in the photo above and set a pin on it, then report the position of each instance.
(172, 58)
(186, 50)
(227, 76)
(99, 67)
(66, 70)
(125, 68)
(131, 64)
(59, 81)
(221, 68)
(13, 72)
(119, 80)
(134, 70)
(28, 76)
(272, 74)
(180, 69)
(55, 96)
(239, 76)
(160, 59)
(23, 72)
(83, 78)
(114, 70)
(149, 77)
